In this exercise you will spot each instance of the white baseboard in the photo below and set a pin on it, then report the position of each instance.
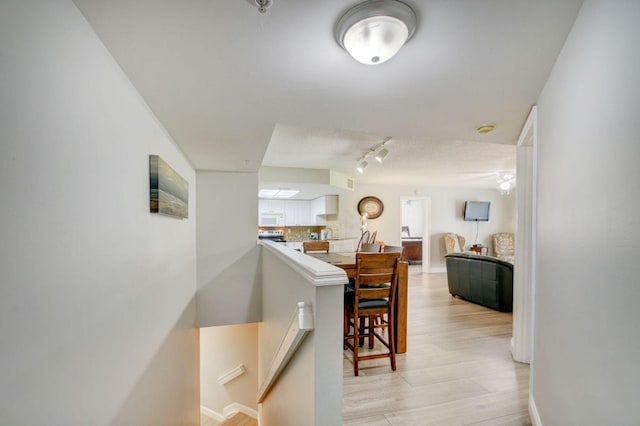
(232, 409)
(212, 414)
(533, 412)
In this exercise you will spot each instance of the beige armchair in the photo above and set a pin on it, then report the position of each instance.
(504, 246)
(454, 243)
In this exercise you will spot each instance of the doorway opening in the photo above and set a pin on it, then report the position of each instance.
(415, 232)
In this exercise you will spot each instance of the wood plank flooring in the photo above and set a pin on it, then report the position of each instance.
(457, 370)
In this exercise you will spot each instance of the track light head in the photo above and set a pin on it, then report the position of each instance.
(380, 156)
(363, 165)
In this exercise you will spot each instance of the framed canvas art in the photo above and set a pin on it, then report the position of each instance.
(168, 191)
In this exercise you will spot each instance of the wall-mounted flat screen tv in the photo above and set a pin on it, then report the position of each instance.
(477, 211)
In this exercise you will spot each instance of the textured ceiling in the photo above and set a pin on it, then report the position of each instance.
(221, 77)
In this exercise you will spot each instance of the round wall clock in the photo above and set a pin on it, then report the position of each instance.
(372, 206)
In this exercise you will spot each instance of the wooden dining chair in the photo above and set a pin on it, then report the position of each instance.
(364, 239)
(370, 248)
(374, 294)
(394, 249)
(372, 239)
(315, 246)
(380, 320)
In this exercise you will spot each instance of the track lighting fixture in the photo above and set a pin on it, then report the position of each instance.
(380, 156)
(363, 165)
(378, 151)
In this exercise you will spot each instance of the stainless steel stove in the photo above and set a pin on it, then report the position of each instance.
(272, 234)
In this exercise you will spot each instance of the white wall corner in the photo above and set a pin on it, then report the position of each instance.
(235, 408)
(212, 414)
(230, 375)
(533, 412)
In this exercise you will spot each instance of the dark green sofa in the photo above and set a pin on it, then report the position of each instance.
(484, 280)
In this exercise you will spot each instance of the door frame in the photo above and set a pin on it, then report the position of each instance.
(525, 259)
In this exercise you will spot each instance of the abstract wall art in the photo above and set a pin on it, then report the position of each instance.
(169, 192)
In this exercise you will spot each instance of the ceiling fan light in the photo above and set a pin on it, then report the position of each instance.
(380, 156)
(363, 165)
(374, 31)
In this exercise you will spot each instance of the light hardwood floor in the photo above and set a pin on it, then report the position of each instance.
(457, 370)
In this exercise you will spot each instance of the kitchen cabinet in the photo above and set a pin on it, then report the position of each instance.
(297, 213)
(271, 206)
(301, 212)
(323, 206)
(413, 250)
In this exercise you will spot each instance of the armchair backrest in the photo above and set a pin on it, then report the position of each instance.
(454, 243)
(503, 244)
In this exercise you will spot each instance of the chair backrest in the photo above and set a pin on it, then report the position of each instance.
(370, 248)
(315, 246)
(372, 239)
(364, 239)
(454, 243)
(394, 249)
(503, 244)
(376, 276)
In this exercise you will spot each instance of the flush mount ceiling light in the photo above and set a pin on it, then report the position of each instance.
(374, 31)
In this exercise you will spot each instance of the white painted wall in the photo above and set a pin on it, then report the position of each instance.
(96, 295)
(229, 287)
(413, 212)
(221, 350)
(447, 206)
(309, 391)
(587, 340)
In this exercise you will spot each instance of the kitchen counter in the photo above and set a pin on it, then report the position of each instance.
(336, 245)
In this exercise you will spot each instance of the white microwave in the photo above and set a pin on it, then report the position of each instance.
(271, 219)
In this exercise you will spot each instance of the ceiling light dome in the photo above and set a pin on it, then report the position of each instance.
(374, 31)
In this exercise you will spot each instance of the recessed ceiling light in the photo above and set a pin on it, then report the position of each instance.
(277, 193)
(486, 128)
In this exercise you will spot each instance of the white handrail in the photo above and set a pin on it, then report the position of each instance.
(301, 323)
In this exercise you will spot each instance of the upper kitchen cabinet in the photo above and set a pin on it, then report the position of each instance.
(271, 206)
(323, 206)
(297, 213)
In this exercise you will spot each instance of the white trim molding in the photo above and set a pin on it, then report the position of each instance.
(533, 412)
(212, 414)
(235, 408)
(524, 270)
(228, 412)
(232, 374)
